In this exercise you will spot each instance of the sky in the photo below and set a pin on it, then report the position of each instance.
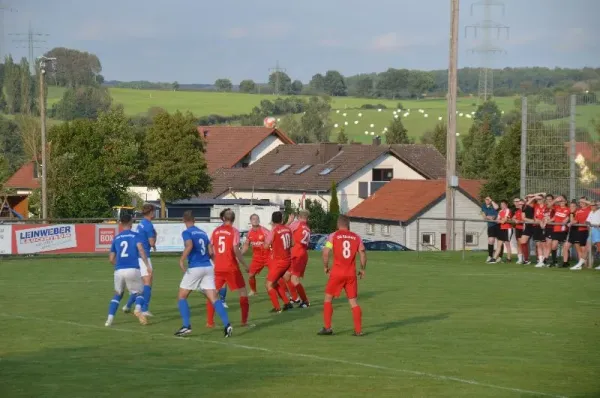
(199, 41)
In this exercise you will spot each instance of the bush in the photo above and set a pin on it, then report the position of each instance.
(373, 106)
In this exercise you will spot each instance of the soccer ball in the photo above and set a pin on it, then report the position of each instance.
(270, 122)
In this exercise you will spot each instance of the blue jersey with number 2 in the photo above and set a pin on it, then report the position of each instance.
(125, 247)
(199, 256)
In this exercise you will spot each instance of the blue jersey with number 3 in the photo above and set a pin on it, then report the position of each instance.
(199, 256)
(125, 247)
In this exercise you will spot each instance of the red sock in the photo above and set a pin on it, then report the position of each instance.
(357, 317)
(525, 251)
(282, 292)
(245, 306)
(252, 282)
(301, 292)
(210, 313)
(274, 301)
(327, 314)
(292, 290)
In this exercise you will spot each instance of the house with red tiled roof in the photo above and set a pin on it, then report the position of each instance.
(25, 180)
(392, 213)
(289, 173)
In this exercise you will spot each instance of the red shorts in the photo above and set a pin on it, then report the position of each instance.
(233, 278)
(299, 265)
(336, 284)
(257, 265)
(277, 270)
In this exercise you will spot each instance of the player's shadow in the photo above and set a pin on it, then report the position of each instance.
(382, 327)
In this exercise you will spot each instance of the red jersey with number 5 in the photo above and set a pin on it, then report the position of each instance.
(345, 245)
(280, 240)
(301, 237)
(224, 240)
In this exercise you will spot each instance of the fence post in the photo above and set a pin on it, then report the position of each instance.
(464, 234)
(523, 146)
(590, 250)
(572, 138)
(418, 240)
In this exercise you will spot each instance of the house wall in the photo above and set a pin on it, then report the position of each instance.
(278, 197)
(266, 146)
(348, 189)
(147, 194)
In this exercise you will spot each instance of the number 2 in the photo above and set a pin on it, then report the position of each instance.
(221, 244)
(346, 249)
(305, 237)
(124, 247)
(287, 241)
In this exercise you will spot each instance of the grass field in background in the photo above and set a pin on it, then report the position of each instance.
(435, 326)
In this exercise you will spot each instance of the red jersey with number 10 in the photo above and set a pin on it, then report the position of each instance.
(224, 240)
(301, 236)
(280, 240)
(256, 238)
(345, 245)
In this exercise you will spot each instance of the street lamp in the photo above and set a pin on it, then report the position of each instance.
(43, 61)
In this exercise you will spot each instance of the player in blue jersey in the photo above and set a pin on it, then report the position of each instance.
(147, 235)
(125, 251)
(199, 275)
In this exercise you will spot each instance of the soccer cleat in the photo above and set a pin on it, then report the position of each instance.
(275, 310)
(251, 293)
(576, 267)
(210, 325)
(108, 323)
(224, 304)
(304, 305)
(228, 331)
(520, 262)
(288, 307)
(540, 265)
(527, 262)
(183, 331)
(297, 301)
(597, 268)
(147, 314)
(325, 332)
(489, 260)
(358, 334)
(126, 309)
(141, 317)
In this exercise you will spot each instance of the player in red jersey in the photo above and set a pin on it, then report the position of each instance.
(561, 218)
(538, 232)
(260, 256)
(345, 245)
(548, 216)
(225, 241)
(518, 218)
(581, 216)
(301, 238)
(504, 234)
(280, 243)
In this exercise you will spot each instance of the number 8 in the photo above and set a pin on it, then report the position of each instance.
(346, 249)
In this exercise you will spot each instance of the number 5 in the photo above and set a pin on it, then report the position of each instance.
(221, 244)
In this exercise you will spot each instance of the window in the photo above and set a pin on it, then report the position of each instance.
(386, 230)
(287, 203)
(428, 239)
(283, 168)
(471, 239)
(383, 174)
(326, 171)
(370, 229)
(303, 169)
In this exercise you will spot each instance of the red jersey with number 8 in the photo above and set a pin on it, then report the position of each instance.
(345, 245)
(301, 235)
(224, 240)
(280, 239)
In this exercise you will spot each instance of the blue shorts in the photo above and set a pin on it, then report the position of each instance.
(595, 235)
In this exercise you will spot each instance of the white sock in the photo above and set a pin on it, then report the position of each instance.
(110, 318)
(138, 308)
(520, 256)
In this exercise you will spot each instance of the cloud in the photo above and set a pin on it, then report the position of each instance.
(236, 33)
(386, 42)
(100, 30)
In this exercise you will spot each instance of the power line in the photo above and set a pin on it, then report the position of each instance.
(487, 48)
(3, 9)
(278, 71)
(31, 38)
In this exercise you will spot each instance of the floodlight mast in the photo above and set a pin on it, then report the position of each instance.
(43, 61)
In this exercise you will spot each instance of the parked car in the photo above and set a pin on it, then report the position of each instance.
(314, 238)
(243, 237)
(385, 245)
(321, 242)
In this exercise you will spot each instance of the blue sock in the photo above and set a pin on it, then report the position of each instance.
(221, 311)
(147, 293)
(223, 293)
(114, 305)
(131, 300)
(139, 300)
(184, 310)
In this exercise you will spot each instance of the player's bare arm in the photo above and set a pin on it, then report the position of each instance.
(291, 219)
(326, 253)
(245, 246)
(189, 245)
(112, 257)
(240, 258)
(211, 251)
(152, 242)
(362, 254)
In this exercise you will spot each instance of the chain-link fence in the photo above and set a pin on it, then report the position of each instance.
(560, 145)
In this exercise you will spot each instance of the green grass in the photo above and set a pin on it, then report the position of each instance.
(435, 326)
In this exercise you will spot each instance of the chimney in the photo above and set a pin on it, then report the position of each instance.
(377, 140)
(205, 133)
(327, 150)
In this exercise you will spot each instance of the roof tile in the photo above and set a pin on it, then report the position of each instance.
(23, 178)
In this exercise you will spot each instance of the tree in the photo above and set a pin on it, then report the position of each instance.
(247, 86)
(175, 86)
(478, 146)
(90, 165)
(5, 171)
(318, 221)
(12, 85)
(317, 84)
(396, 133)
(223, 85)
(504, 171)
(334, 84)
(490, 110)
(291, 125)
(82, 102)
(437, 137)
(27, 88)
(364, 86)
(296, 87)
(342, 138)
(11, 146)
(315, 122)
(280, 83)
(393, 83)
(176, 164)
(334, 208)
(31, 136)
(419, 83)
(74, 68)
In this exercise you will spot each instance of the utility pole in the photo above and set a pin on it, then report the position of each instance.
(278, 71)
(43, 61)
(3, 9)
(451, 179)
(31, 37)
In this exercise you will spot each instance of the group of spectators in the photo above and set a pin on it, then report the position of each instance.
(550, 222)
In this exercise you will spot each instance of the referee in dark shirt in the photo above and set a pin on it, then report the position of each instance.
(489, 212)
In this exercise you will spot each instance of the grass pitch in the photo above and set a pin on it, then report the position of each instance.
(435, 326)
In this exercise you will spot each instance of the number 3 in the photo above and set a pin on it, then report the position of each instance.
(346, 249)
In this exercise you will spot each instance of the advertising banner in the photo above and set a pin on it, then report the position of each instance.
(5, 239)
(104, 236)
(169, 235)
(45, 239)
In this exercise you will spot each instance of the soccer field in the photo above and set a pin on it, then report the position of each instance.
(435, 326)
